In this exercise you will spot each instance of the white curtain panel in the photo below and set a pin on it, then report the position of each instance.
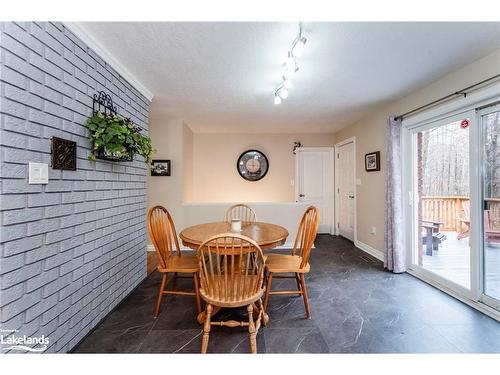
(394, 255)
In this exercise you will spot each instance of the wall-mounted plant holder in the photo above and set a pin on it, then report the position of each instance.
(103, 103)
(109, 156)
(63, 153)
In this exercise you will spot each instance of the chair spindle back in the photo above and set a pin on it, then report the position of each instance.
(308, 228)
(242, 212)
(231, 267)
(162, 232)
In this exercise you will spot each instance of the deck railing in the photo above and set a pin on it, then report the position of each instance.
(449, 209)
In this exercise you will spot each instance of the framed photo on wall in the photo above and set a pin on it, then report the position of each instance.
(160, 168)
(372, 161)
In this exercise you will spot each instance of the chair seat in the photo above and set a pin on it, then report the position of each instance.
(187, 263)
(228, 294)
(285, 263)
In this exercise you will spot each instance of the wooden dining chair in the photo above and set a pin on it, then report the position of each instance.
(231, 275)
(162, 232)
(242, 212)
(278, 265)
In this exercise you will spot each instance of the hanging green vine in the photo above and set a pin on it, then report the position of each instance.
(117, 137)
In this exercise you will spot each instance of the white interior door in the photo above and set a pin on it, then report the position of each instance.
(315, 182)
(345, 190)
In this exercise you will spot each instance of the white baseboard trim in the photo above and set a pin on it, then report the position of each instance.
(286, 245)
(370, 250)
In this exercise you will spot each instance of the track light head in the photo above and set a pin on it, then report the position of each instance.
(283, 92)
(298, 47)
(277, 99)
(289, 69)
(287, 83)
(290, 65)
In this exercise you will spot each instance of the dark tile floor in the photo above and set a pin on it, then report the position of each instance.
(357, 307)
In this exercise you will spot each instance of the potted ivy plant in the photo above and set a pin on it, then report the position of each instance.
(116, 138)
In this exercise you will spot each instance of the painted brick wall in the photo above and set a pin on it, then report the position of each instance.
(70, 250)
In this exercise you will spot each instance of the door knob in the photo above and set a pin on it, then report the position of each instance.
(302, 195)
(351, 196)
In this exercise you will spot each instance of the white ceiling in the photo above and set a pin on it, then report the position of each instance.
(220, 76)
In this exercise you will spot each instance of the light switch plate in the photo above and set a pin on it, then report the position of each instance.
(38, 173)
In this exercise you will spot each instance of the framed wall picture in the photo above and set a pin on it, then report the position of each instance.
(372, 161)
(160, 168)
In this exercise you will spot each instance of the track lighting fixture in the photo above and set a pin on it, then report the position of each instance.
(280, 94)
(298, 46)
(283, 92)
(290, 67)
(287, 83)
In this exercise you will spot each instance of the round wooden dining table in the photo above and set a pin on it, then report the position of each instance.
(266, 235)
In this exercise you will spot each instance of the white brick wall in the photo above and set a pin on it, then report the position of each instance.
(73, 249)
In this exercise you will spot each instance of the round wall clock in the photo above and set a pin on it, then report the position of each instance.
(252, 165)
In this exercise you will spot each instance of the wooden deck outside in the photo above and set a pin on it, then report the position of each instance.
(449, 209)
(452, 261)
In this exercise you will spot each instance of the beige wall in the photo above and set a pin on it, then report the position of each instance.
(215, 178)
(167, 140)
(370, 136)
(204, 166)
(187, 163)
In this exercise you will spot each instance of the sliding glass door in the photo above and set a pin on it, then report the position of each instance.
(490, 159)
(441, 201)
(452, 179)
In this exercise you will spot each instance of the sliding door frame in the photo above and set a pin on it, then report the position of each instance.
(412, 204)
(480, 113)
(465, 106)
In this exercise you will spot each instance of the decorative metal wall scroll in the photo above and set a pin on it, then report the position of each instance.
(63, 154)
(103, 103)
